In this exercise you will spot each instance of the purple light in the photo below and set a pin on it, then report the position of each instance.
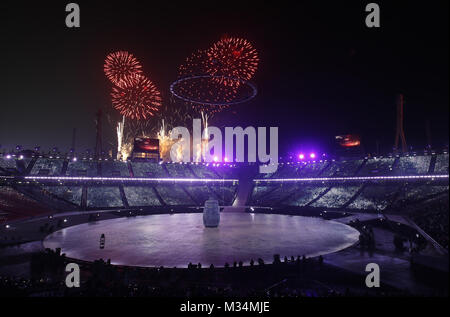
(216, 158)
(312, 155)
(350, 178)
(129, 179)
(301, 156)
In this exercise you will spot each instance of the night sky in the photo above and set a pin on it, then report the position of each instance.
(322, 71)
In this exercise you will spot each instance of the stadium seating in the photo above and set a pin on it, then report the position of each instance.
(174, 195)
(179, 170)
(348, 168)
(86, 168)
(141, 196)
(200, 192)
(7, 165)
(433, 218)
(226, 193)
(15, 205)
(226, 171)
(357, 195)
(284, 171)
(377, 166)
(336, 197)
(413, 165)
(375, 197)
(289, 193)
(203, 171)
(104, 196)
(305, 194)
(69, 193)
(441, 166)
(115, 169)
(143, 169)
(411, 193)
(271, 195)
(311, 169)
(47, 167)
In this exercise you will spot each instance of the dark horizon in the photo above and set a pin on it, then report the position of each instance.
(322, 71)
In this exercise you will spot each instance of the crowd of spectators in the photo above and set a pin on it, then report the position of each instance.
(287, 277)
(434, 219)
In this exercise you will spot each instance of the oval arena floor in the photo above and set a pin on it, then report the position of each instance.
(175, 240)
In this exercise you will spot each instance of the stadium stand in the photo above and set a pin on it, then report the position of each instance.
(83, 168)
(377, 166)
(226, 171)
(375, 197)
(331, 169)
(312, 169)
(104, 196)
(7, 165)
(270, 195)
(433, 218)
(441, 166)
(47, 167)
(174, 195)
(413, 165)
(203, 171)
(68, 193)
(201, 193)
(138, 196)
(153, 170)
(179, 170)
(337, 197)
(305, 194)
(115, 169)
(348, 168)
(15, 205)
(226, 193)
(411, 193)
(284, 171)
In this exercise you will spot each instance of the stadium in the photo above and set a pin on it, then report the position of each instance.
(393, 210)
(201, 153)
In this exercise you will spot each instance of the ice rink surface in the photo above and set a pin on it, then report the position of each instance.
(175, 240)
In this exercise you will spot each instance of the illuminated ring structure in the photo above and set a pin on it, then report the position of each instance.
(249, 84)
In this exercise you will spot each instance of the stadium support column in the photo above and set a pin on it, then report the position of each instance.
(400, 132)
(84, 194)
(123, 196)
(98, 141)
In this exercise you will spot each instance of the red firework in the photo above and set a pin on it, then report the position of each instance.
(137, 98)
(203, 89)
(232, 58)
(120, 66)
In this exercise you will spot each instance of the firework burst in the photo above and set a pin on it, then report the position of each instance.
(137, 98)
(120, 66)
(232, 58)
(204, 89)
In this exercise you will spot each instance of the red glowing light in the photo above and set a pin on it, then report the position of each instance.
(349, 140)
